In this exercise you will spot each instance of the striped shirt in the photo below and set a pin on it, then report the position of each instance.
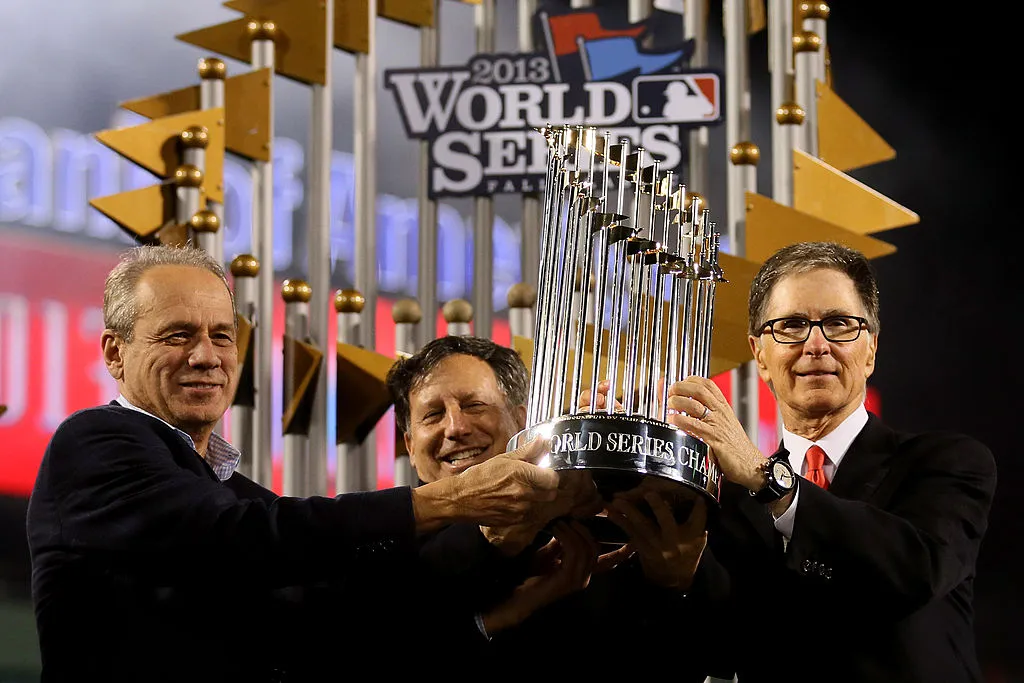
(221, 456)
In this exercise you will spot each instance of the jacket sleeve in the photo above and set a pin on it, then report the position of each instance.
(916, 539)
(116, 489)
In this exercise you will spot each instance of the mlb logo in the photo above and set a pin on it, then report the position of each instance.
(678, 98)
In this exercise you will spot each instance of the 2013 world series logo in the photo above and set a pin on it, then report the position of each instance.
(481, 119)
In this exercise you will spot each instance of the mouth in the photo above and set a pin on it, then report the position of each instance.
(201, 386)
(464, 458)
(817, 373)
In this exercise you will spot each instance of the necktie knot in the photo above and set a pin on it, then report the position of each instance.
(816, 466)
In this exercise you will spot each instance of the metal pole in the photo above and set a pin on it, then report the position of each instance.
(426, 289)
(212, 72)
(521, 299)
(815, 19)
(806, 46)
(407, 314)
(530, 225)
(244, 269)
(262, 34)
(318, 254)
(695, 25)
(458, 314)
(639, 10)
(780, 63)
(354, 471)
(483, 207)
(295, 476)
(365, 160)
(741, 178)
(189, 175)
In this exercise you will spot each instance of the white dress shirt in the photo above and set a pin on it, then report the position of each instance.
(221, 456)
(835, 444)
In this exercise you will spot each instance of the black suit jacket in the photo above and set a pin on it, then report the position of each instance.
(145, 567)
(877, 581)
(619, 622)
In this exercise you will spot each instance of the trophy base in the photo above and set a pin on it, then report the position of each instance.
(629, 455)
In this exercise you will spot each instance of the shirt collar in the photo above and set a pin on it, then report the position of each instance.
(835, 443)
(222, 457)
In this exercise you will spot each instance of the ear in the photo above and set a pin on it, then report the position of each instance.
(408, 449)
(111, 343)
(521, 417)
(869, 362)
(757, 350)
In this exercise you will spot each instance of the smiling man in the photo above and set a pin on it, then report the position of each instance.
(152, 559)
(457, 403)
(864, 568)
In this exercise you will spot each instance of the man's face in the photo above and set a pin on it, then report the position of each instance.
(817, 378)
(458, 417)
(180, 364)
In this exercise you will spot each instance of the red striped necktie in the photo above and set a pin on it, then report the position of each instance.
(816, 467)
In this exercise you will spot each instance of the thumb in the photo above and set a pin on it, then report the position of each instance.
(532, 451)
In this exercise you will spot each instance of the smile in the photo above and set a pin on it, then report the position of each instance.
(468, 454)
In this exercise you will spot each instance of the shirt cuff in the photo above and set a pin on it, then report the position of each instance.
(479, 619)
(784, 522)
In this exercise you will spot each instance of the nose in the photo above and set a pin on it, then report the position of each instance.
(456, 425)
(816, 344)
(204, 354)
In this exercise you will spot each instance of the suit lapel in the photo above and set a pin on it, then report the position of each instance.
(866, 462)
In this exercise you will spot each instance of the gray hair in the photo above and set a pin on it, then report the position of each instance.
(406, 374)
(806, 256)
(120, 305)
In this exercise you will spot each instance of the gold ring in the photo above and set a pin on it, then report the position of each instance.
(706, 411)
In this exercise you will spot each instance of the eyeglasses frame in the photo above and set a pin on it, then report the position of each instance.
(820, 324)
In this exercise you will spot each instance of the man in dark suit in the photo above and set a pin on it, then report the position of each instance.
(153, 560)
(851, 551)
(458, 401)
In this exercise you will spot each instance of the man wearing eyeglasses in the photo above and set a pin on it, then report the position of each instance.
(852, 548)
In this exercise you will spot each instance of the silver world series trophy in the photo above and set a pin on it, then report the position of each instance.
(646, 262)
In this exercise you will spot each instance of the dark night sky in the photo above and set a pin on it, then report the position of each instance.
(938, 96)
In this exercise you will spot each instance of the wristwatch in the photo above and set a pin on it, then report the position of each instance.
(779, 479)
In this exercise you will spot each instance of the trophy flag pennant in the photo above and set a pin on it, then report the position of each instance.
(300, 38)
(363, 397)
(245, 393)
(305, 359)
(419, 13)
(246, 111)
(771, 226)
(827, 193)
(845, 140)
(154, 146)
(142, 213)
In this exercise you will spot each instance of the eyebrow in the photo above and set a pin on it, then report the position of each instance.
(827, 314)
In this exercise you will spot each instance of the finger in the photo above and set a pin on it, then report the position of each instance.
(590, 545)
(614, 558)
(666, 520)
(631, 520)
(584, 399)
(698, 520)
(546, 554)
(531, 451)
(688, 405)
(576, 556)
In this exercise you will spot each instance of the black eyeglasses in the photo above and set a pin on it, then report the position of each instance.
(796, 330)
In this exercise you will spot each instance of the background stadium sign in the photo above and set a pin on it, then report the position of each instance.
(594, 68)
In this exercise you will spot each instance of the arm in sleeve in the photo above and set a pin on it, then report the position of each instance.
(117, 490)
(921, 545)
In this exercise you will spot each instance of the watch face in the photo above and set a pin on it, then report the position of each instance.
(783, 475)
